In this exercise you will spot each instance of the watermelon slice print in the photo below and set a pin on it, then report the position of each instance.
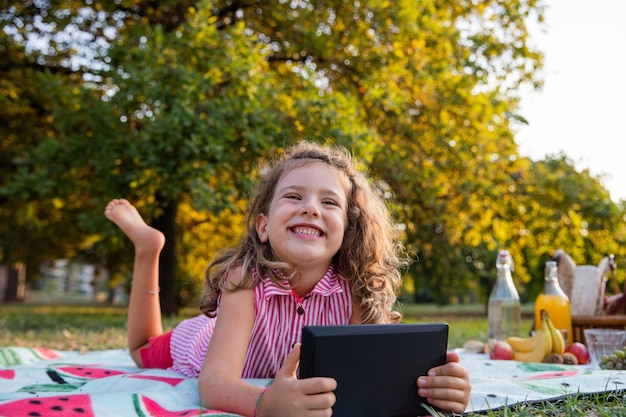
(146, 407)
(87, 372)
(20, 355)
(56, 388)
(170, 381)
(46, 353)
(548, 375)
(7, 374)
(66, 406)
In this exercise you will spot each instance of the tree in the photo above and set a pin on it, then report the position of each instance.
(156, 133)
(580, 217)
(191, 123)
(27, 222)
(171, 104)
(433, 86)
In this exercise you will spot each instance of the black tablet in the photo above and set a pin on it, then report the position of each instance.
(376, 365)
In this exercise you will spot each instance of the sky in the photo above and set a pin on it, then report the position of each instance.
(582, 107)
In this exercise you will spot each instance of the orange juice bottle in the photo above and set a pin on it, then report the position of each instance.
(555, 302)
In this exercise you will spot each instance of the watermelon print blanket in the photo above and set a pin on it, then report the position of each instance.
(497, 383)
(43, 382)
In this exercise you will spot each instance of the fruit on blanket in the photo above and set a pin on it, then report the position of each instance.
(580, 351)
(616, 360)
(570, 359)
(522, 344)
(65, 405)
(558, 342)
(548, 339)
(553, 358)
(537, 347)
(475, 346)
(501, 350)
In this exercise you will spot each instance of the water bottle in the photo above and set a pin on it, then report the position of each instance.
(556, 302)
(503, 311)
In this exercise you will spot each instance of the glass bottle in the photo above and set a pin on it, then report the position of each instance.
(503, 310)
(555, 301)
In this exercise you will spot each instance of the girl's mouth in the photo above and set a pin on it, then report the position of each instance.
(306, 231)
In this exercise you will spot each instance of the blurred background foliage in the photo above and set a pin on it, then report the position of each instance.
(173, 104)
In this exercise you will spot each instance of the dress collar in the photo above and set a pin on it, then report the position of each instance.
(326, 286)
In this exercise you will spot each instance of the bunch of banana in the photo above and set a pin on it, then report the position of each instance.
(558, 342)
(547, 339)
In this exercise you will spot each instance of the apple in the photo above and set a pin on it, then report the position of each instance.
(501, 350)
(580, 351)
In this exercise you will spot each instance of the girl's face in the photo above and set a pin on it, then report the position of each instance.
(307, 216)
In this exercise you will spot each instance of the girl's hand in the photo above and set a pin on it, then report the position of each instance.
(293, 397)
(448, 386)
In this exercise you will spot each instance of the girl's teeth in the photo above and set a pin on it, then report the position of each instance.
(309, 231)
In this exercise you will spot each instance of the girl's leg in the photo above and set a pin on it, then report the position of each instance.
(144, 309)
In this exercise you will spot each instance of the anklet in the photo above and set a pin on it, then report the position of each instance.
(132, 284)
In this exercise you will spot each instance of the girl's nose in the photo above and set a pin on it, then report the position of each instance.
(310, 209)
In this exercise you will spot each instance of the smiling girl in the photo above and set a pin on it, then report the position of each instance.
(320, 249)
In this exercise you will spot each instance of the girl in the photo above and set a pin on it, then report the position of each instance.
(320, 249)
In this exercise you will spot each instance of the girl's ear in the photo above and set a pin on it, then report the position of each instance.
(262, 227)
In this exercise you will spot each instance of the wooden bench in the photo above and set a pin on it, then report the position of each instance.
(580, 323)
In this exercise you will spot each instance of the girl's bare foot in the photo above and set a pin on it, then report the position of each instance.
(127, 218)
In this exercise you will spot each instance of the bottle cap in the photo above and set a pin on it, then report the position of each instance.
(504, 258)
(551, 268)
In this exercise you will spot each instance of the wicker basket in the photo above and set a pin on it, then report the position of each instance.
(579, 323)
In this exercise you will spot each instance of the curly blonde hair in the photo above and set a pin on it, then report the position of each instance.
(370, 256)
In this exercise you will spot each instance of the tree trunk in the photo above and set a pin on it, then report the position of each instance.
(166, 223)
(12, 282)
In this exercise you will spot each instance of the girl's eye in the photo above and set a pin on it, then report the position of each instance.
(330, 202)
(293, 196)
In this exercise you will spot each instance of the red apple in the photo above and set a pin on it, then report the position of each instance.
(580, 351)
(501, 350)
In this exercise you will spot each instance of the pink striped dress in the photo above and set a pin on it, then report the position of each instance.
(278, 322)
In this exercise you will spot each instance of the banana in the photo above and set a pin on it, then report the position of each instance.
(522, 344)
(542, 343)
(558, 342)
(542, 348)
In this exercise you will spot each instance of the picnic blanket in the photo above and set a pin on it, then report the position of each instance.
(45, 382)
(498, 383)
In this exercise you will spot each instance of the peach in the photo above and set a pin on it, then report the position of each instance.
(501, 350)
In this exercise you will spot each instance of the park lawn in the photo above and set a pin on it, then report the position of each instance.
(97, 327)
(84, 328)
(68, 327)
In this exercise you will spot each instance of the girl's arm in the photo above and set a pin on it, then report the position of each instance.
(220, 384)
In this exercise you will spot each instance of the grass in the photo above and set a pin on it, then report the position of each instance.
(68, 327)
(468, 321)
(84, 328)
